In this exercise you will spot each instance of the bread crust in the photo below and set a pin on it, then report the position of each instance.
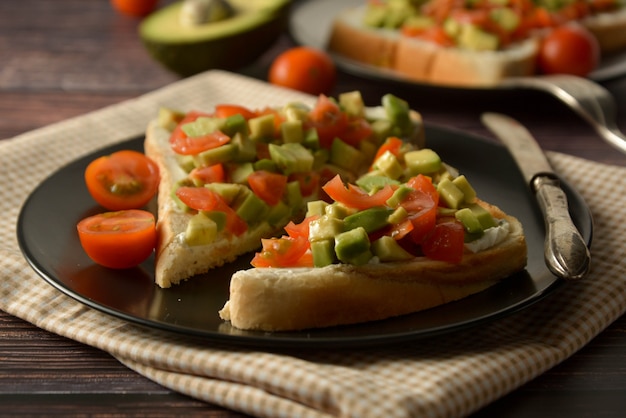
(275, 299)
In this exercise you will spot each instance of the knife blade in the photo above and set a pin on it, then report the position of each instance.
(565, 251)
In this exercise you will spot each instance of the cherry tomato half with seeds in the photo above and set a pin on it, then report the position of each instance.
(123, 180)
(118, 240)
(569, 49)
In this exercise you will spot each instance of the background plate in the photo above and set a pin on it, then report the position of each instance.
(47, 236)
(310, 24)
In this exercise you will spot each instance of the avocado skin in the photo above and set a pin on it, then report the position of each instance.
(226, 53)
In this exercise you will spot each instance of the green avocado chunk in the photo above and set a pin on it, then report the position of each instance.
(229, 43)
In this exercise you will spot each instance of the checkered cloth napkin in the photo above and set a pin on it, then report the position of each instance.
(446, 376)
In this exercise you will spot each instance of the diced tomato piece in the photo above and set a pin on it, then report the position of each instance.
(281, 252)
(211, 174)
(424, 184)
(391, 144)
(269, 186)
(356, 131)
(446, 241)
(201, 198)
(185, 145)
(355, 197)
(300, 230)
(401, 230)
(227, 110)
(328, 120)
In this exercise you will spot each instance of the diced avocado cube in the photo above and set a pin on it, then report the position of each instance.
(345, 156)
(316, 207)
(291, 158)
(323, 252)
(450, 194)
(294, 197)
(186, 162)
(200, 230)
(506, 18)
(464, 185)
(387, 249)
(382, 129)
(291, 131)
(203, 126)
(296, 111)
(371, 219)
(389, 165)
(353, 247)
(168, 118)
(252, 209)
(216, 216)
(246, 149)
(311, 140)
(265, 164)
(473, 38)
(398, 112)
(423, 161)
(369, 148)
(399, 195)
(398, 215)
(261, 127)
(484, 217)
(469, 220)
(239, 172)
(235, 124)
(278, 214)
(221, 154)
(372, 183)
(352, 103)
(228, 191)
(337, 210)
(324, 228)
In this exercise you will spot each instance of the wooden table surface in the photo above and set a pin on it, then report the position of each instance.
(63, 58)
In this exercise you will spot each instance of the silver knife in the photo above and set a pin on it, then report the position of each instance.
(566, 253)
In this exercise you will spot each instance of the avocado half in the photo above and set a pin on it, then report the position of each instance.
(226, 44)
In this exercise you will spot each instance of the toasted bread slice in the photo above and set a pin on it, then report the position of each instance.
(279, 299)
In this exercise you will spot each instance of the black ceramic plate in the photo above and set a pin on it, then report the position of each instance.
(310, 24)
(47, 236)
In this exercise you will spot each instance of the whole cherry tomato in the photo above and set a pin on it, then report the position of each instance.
(123, 180)
(120, 239)
(305, 69)
(136, 8)
(569, 49)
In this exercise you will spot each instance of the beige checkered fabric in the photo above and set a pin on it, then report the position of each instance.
(446, 376)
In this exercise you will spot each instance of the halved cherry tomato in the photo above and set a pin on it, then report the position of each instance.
(569, 49)
(123, 180)
(226, 110)
(118, 240)
(210, 174)
(328, 120)
(446, 241)
(355, 197)
(305, 69)
(203, 199)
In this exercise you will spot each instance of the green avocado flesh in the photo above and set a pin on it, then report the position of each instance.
(226, 44)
